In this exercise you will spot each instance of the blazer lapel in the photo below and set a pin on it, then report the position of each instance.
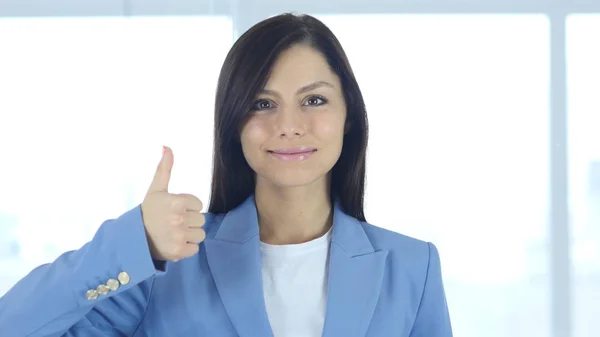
(355, 277)
(234, 259)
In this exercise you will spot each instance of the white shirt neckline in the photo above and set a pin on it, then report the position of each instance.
(290, 250)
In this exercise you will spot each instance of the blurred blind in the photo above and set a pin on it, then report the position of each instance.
(583, 79)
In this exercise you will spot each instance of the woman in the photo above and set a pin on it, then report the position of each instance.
(284, 249)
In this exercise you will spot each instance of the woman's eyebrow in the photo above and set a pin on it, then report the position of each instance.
(304, 89)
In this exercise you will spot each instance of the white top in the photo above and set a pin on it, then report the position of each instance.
(295, 286)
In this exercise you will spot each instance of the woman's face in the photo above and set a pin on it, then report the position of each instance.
(295, 132)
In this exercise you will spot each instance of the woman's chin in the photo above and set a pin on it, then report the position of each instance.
(293, 179)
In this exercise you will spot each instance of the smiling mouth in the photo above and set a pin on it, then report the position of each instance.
(293, 154)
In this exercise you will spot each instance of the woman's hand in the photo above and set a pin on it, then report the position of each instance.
(173, 222)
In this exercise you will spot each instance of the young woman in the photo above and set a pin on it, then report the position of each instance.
(284, 249)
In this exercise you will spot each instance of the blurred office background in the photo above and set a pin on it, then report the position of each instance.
(485, 134)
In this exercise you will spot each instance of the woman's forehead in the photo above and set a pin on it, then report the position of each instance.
(298, 67)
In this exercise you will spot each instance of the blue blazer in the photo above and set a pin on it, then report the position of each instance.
(380, 284)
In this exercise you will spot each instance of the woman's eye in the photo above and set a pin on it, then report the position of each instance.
(315, 101)
(262, 105)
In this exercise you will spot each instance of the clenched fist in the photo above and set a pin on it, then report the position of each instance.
(173, 222)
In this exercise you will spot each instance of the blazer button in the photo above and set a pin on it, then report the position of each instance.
(91, 294)
(123, 278)
(102, 289)
(112, 284)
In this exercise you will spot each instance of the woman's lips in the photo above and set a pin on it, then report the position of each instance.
(293, 154)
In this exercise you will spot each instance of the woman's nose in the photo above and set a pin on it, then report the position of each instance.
(290, 123)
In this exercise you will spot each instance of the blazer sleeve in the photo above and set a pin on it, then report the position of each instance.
(54, 299)
(433, 319)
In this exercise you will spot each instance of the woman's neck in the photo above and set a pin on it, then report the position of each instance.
(293, 215)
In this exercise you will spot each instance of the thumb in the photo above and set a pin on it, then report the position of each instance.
(160, 183)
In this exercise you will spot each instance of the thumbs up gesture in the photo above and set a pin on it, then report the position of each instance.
(173, 222)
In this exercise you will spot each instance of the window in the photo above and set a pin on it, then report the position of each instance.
(583, 80)
(458, 106)
(86, 105)
(458, 109)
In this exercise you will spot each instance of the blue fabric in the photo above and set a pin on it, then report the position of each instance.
(381, 283)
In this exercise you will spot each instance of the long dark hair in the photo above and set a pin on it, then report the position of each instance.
(245, 71)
